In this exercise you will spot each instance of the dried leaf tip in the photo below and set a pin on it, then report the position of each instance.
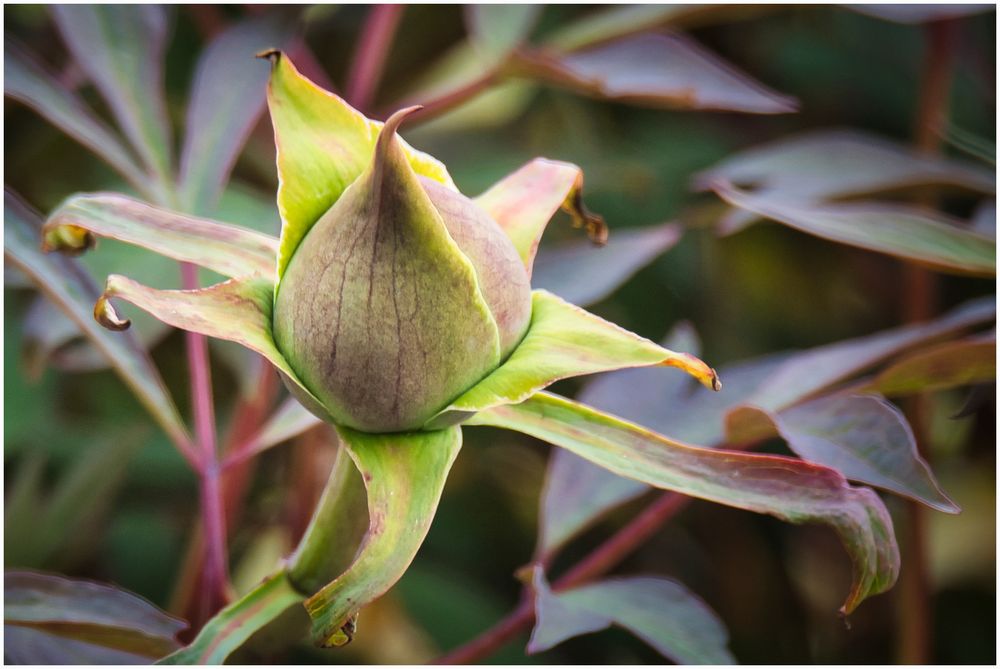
(67, 238)
(707, 376)
(272, 54)
(597, 229)
(106, 314)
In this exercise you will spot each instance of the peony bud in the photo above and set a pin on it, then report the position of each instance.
(403, 295)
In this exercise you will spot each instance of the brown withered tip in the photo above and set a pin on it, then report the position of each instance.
(272, 54)
(66, 238)
(106, 314)
(716, 381)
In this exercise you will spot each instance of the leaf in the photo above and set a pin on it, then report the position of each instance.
(564, 341)
(122, 49)
(523, 202)
(26, 81)
(835, 164)
(45, 330)
(863, 437)
(289, 420)
(496, 30)
(237, 310)
(90, 622)
(583, 274)
(227, 249)
(948, 365)
(907, 233)
(984, 221)
(233, 625)
(788, 488)
(661, 612)
(577, 492)
(227, 98)
(818, 368)
(919, 13)
(323, 146)
(659, 70)
(404, 475)
(72, 290)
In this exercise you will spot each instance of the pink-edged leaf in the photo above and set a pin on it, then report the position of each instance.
(289, 420)
(661, 612)
(835, 164)
(576, 492)
(790, 489)
(122, 49)
(523, 203)
(920, 13)
(227, 249)
(52, 619)
(948, 365)
(863, 437)
(227, 99)
(69, 287)
(583, 274)
(28, 82)
(660, 70)
(904, 232)
(405, 476)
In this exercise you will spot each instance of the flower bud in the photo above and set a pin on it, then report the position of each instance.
(403, 295)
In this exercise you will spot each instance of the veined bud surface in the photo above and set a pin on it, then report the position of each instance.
(403, 295)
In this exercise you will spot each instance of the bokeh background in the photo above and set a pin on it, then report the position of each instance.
(116, 503)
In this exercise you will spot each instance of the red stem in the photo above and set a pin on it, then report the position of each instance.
(370, 55)
(216, 574)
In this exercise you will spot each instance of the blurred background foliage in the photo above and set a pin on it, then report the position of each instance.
(93, 489)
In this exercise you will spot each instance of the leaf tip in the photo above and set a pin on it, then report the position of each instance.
(393, 122)
(272, 55)
(106, 314)
(67, 238)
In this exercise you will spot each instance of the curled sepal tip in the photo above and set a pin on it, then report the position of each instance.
(694, 366)
(596, 228)
(67, 238)
(106, 314)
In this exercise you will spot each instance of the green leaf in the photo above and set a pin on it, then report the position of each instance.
(51, 619)
(577, 492)
(661, 612)
(496, 30)
(948, 365)
(26, 81)
(583, 274)
(564, 341)
(790, 489)
(72, 290)
(323, 146)
(668, 71)
(238, 310)
(832, 165)
(863, 437)
(524, 201)
(227, 249)
(227, 98)
(233, 625)
(122, 49)
(404, 475)
(907, 233)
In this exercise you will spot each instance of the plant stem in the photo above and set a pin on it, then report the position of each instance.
(603, 558)
(370, 55)
(915, 622)
(216, 571)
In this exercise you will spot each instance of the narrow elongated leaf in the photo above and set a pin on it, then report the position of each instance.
(584, 274)
(289, 420)
(577, 492)
(863, 437)
(238, 310)
(46, 329)
(904, 232)
(563, 341)
(73, 291)
(787, 488)
(496, 30)
(660, 70)
(233, 625)
(661, 612)
(835, 164)
(404, 475)
(122, 48)
(323, 146)
(524, 201)
(960, 363)
(227, 98)
(227, 249)
(919, 13)
(26, 81)
(97, 622)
